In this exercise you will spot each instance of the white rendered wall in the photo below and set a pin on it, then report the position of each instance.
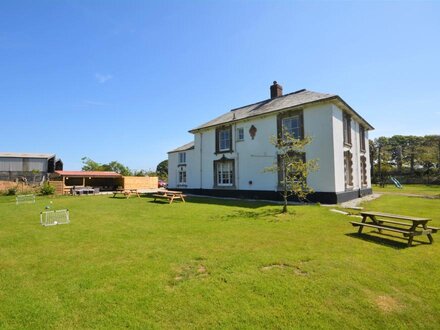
(323, 123)
(318, 125)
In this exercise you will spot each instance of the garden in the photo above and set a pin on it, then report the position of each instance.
(211, 263)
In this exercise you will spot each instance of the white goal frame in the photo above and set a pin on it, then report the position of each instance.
(55, 217)
(24, 199)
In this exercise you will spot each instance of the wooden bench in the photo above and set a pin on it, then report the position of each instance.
(170, 196)
(126, 193)
(414, 226)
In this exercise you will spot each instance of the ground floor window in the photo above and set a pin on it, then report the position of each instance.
(363, 170)
(348, 169)
(224, 173)
(182, 175)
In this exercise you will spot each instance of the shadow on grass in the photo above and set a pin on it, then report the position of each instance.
(228, 202)
(386, 239)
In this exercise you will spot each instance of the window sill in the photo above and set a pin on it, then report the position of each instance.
(230, 151)
(224, 187)
(181, 164)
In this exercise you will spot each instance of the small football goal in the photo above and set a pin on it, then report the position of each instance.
(55, 217)
(23, 199)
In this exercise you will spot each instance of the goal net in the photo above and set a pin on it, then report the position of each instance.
(22, 199)
(56, 217)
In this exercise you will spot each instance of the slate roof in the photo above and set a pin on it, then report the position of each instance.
(185, 147)
(25, 155)
(291, 100)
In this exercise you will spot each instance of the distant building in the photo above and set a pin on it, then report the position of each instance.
(32, 167)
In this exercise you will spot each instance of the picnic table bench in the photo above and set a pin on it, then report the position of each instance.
(169, 195)
(126, 192)
(412, 227)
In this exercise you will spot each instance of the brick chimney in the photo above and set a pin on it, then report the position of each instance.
(276, 90)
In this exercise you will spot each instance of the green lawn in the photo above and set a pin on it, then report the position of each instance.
(212, 264)
(409, 189)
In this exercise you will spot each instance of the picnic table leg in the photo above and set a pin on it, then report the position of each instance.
(411, 235)
(431, 240)
(364, 218)
(171, 199)
(183, 199)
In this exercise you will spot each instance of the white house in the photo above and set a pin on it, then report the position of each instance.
(229, 153)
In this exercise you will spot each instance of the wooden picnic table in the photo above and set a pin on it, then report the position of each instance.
(412, 227)
(126, 193)
(170, 195)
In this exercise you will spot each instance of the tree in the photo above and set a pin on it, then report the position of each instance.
(162, 169)
(91, 165)
(292, 167)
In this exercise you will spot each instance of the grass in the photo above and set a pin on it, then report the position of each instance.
(211, 264)
(417, 189)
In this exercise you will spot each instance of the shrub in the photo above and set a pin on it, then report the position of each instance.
(47, 189)
(12, 191)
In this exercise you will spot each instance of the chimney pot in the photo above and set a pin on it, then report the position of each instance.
(276, 90)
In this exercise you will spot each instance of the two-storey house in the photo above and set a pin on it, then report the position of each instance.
(229, 153)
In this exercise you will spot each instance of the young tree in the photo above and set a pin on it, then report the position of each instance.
(162, 169)
(292, 167)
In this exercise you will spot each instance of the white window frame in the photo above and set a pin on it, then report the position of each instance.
(295, 131)
(182, 176)
(224, 139)
(182, 157)
(225, 174)
(240, 134)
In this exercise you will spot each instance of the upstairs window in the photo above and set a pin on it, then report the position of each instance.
(292, 125)
(224, 139)
(291, 122)
(347, 129)
(182, 157)
(240, 134)
(362, 137)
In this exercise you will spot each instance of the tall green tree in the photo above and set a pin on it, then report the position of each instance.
(91, 165)
(292, 167)
(162, 169)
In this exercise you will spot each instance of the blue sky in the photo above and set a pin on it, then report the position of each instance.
(126, 80)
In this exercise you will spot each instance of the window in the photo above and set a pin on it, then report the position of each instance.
(182, 176)
(224, 139)
(363, 170)
(240, 134)
(182, 157)
(292, 126)
(362, 137)
(348, 169)
(347, 129)
(224, 173)
(292, 122)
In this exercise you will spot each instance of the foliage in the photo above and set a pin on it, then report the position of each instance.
(162, 170)
(12, 191)
(405, 154)
(292, 166)
(91, 165)
(47, 189)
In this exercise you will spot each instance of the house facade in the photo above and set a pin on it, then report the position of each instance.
(229, 154)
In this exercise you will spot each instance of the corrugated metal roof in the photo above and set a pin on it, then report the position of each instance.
(101, 174)
(295, 99)
(185, 147)
(25, 155)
